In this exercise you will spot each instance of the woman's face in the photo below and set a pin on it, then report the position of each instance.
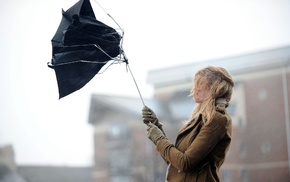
(200, 91)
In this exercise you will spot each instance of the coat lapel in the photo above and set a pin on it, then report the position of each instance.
(192, 125)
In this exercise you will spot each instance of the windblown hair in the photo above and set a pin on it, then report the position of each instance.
(219, 85)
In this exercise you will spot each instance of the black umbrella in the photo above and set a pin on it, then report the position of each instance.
(81, 46)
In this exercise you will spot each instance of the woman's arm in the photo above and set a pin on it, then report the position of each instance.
(202, 145)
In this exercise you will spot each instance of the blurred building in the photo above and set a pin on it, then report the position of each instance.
(38, 173)
(260, 148)
(11, 172)
(8, 167)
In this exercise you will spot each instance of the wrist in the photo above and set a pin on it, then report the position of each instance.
(159, 139)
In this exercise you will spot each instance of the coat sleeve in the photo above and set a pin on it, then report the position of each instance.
(201, 146)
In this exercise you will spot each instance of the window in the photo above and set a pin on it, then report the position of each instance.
(244, 176)
(266, 147)
(118, 131)
(227, 175)
(119, 160)
(119, 178)
(242, 150)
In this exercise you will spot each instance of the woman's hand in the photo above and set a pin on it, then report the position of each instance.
(150, 117)
(154, 133)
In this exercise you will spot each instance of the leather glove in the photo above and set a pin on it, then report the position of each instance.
(150, 117)
(154, 133)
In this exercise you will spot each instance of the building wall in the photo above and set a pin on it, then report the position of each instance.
(122, 151)
(7, 158)
(259, 148)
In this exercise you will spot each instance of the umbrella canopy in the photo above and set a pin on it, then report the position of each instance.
(81, 46)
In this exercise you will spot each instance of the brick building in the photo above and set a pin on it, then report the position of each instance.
(259, 109)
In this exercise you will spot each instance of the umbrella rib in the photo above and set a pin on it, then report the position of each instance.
(78, 61)
(85, 61)
(115, 59)
(109, 15)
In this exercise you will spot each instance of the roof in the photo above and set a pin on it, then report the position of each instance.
(235, 64)
(123, 104)
(178, 108)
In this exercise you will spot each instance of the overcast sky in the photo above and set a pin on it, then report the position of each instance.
(158, 33)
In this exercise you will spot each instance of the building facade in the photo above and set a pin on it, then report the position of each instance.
(259, 108)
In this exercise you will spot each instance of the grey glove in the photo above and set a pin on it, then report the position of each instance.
(150, 117)
(154, 133)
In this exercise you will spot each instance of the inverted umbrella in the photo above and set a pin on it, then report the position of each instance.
(81, 46)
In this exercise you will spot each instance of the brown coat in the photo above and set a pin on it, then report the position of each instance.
(199, 150)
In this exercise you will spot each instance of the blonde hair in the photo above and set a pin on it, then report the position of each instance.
(219, 85)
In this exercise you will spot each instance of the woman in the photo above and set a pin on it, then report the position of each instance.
(201, 145)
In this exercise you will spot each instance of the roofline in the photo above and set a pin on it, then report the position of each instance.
(242, 63)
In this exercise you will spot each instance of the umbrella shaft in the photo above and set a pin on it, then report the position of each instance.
(136, 85)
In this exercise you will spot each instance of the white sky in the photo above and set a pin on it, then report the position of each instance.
(158, 33)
